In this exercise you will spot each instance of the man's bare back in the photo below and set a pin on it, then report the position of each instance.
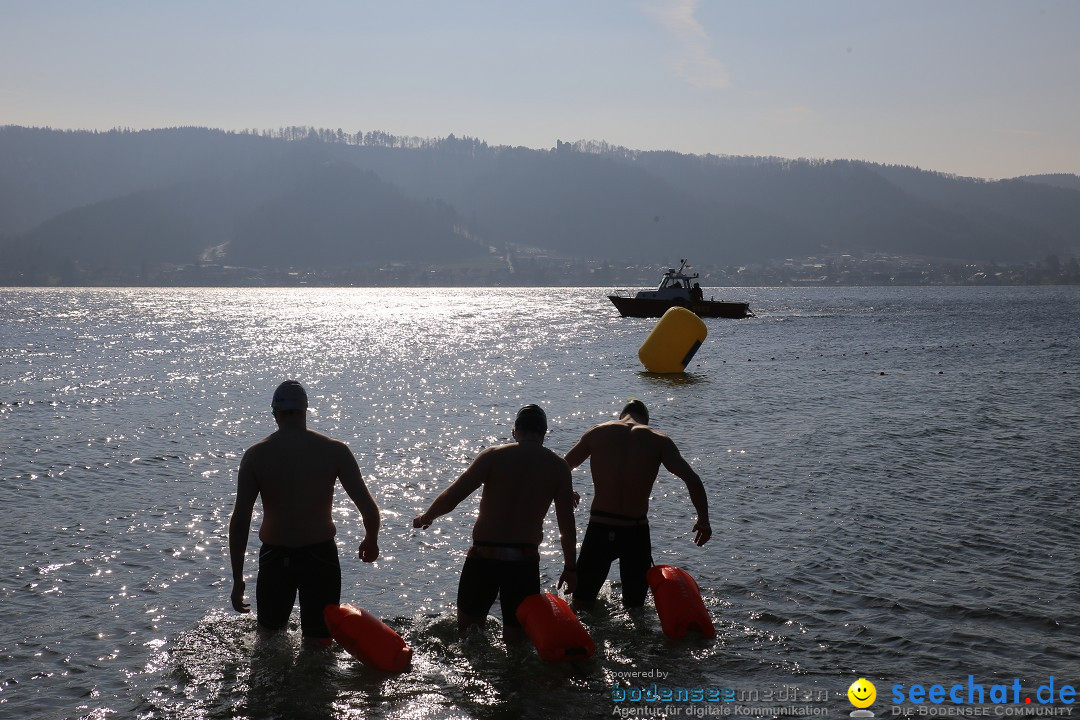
(625, 458)
(520, 482)
(296, 471)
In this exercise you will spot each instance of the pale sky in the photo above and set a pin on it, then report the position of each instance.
(983, 88)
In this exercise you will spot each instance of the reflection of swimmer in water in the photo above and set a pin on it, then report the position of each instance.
(520, 481)
(295, 471)
(626, 455)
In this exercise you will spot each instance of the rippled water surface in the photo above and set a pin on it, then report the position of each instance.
(892, 475)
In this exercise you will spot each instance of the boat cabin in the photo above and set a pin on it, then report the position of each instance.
(675, 284)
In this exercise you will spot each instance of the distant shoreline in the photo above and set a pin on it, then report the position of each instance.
(823, 271)
(485, 287)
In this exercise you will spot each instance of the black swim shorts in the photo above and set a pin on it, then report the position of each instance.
(312, 571)
(602, 545)
(511, 573)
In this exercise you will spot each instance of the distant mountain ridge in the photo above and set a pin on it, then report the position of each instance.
(319, 199)
(1071, 182)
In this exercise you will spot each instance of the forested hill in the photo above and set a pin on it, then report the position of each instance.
(1071, 182)
(316, 199)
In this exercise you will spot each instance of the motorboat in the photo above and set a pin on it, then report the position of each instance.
(677, 288)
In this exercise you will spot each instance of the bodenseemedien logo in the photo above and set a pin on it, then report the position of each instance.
(862, 694)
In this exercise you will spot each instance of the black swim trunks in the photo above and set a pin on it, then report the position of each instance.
(602, 545)
(509, 571)
(312, 571)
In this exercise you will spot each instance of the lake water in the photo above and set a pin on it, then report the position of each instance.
(892, 475)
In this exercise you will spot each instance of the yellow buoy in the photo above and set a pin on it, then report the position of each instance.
(672, 343)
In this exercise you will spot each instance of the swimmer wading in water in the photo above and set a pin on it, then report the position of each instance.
(520, 481)
(625, 457)
(295, 471)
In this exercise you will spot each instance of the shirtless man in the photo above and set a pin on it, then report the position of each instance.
(295, 470)
(520, 481)
(626, 457)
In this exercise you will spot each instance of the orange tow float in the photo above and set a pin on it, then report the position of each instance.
(554, 629)
(367, 638)
(678, 602)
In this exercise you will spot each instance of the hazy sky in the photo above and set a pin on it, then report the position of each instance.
(987, 88)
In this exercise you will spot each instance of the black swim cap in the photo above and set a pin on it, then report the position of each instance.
(531, 418)
(636, 409)
(289, 396)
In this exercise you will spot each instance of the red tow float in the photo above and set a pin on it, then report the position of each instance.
(678, 602)
(554, 629)
(367, 638)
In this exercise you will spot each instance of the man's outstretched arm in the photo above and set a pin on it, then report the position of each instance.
(357, 489)
(579, 453)
(247, 490)
(677, 465)
(564, 516)
(452, 496)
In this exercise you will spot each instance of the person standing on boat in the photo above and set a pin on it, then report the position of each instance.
(295, 471)
(520, 481)
(626, 455)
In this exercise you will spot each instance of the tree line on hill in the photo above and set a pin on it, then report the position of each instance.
(80, 205)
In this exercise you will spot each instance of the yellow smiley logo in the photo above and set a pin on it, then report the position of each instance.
(862, 693)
